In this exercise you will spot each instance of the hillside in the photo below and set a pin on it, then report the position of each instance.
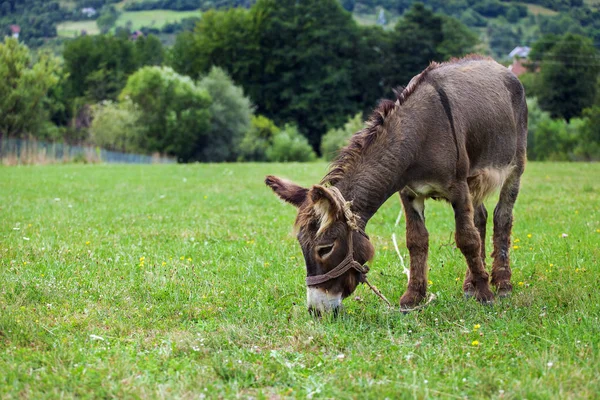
(501, 25)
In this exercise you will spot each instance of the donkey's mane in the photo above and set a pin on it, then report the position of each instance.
(373, 129)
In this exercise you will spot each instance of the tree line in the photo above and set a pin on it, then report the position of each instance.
(281, 80)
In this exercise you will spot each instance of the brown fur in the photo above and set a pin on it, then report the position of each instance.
(456, 132)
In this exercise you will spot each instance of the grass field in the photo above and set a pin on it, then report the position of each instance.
(153, 18)
(138, 19)
(184, 281)
(74, 28)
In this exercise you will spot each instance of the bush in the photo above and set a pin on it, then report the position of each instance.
(116, 127)
(174, 112)
(290, 145)
(231, 112)
(335, 139)
(258, 139)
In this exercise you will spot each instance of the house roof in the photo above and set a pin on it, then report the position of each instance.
(15, 28)
(520, 51)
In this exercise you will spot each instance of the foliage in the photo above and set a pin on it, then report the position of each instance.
(335, 139)
(589, 147)
(107, 19)
(559, 140)
(174, 112)
(289, 145)
(98, 66)
(567, 69)
(231, 112)
(258, 139)
(309, 63)
(24, 84)
(116, 126)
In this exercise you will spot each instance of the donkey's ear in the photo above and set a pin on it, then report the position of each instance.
(325, 205)
(287, 190)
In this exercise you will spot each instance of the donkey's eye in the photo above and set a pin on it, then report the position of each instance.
(323, 251)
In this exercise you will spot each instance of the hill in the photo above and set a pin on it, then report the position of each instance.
(501, 25)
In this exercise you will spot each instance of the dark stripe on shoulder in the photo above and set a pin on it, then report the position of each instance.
(446, 104)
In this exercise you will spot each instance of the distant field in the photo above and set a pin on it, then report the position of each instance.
(539, 10)
(371, 19)
(154, 18)
(139, 19)
(186, 282)
(74, 28)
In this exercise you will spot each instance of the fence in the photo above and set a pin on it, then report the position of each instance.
(23, 151)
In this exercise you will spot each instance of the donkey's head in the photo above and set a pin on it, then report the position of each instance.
(326, 228)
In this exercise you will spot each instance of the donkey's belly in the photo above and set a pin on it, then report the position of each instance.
(482, 183)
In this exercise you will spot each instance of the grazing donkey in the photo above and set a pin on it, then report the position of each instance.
(457, 132)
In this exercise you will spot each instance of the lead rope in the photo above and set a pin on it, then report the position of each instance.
(377, 292)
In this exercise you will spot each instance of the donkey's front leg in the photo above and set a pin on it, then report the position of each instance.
(417, 241)
(468, 241)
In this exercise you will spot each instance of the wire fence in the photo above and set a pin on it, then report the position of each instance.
(26, 151)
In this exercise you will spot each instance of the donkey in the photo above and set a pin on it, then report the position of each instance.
(457, 132)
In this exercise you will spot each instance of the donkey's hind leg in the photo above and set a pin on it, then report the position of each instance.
(503, 220)
(417, 241)
(469, 242)
(480, 219)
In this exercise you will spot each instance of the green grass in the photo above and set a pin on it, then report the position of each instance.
(74, 28)
(153, 18)
(192, 279)
(371, 19)
(536, 9)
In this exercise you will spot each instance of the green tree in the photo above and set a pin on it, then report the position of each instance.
(231, 112)
(98, 66)
(174, 112)
(107, 19)
(116, 126)
(567, 69)
(24, 84)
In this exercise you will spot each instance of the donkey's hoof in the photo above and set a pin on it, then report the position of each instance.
(468, 290)
(485, 297)
(410, 300)
(469, 294)
(504, 289)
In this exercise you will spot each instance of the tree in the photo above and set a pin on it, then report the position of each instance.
(569, 71)
(116, 126)
(174, 112)
(107, 19)
(24, 86)
(98, 66)
(231, 112)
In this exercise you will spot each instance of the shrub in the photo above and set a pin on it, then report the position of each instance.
(174, 113)
(258, 139)
(335, 139)
(290, 145)
(116, 127)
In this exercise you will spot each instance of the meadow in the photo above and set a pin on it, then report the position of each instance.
(185, 281)
(134, 19)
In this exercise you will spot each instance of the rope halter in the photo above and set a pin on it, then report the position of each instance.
(348, 262)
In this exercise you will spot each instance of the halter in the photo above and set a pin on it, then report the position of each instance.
(348, 262)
